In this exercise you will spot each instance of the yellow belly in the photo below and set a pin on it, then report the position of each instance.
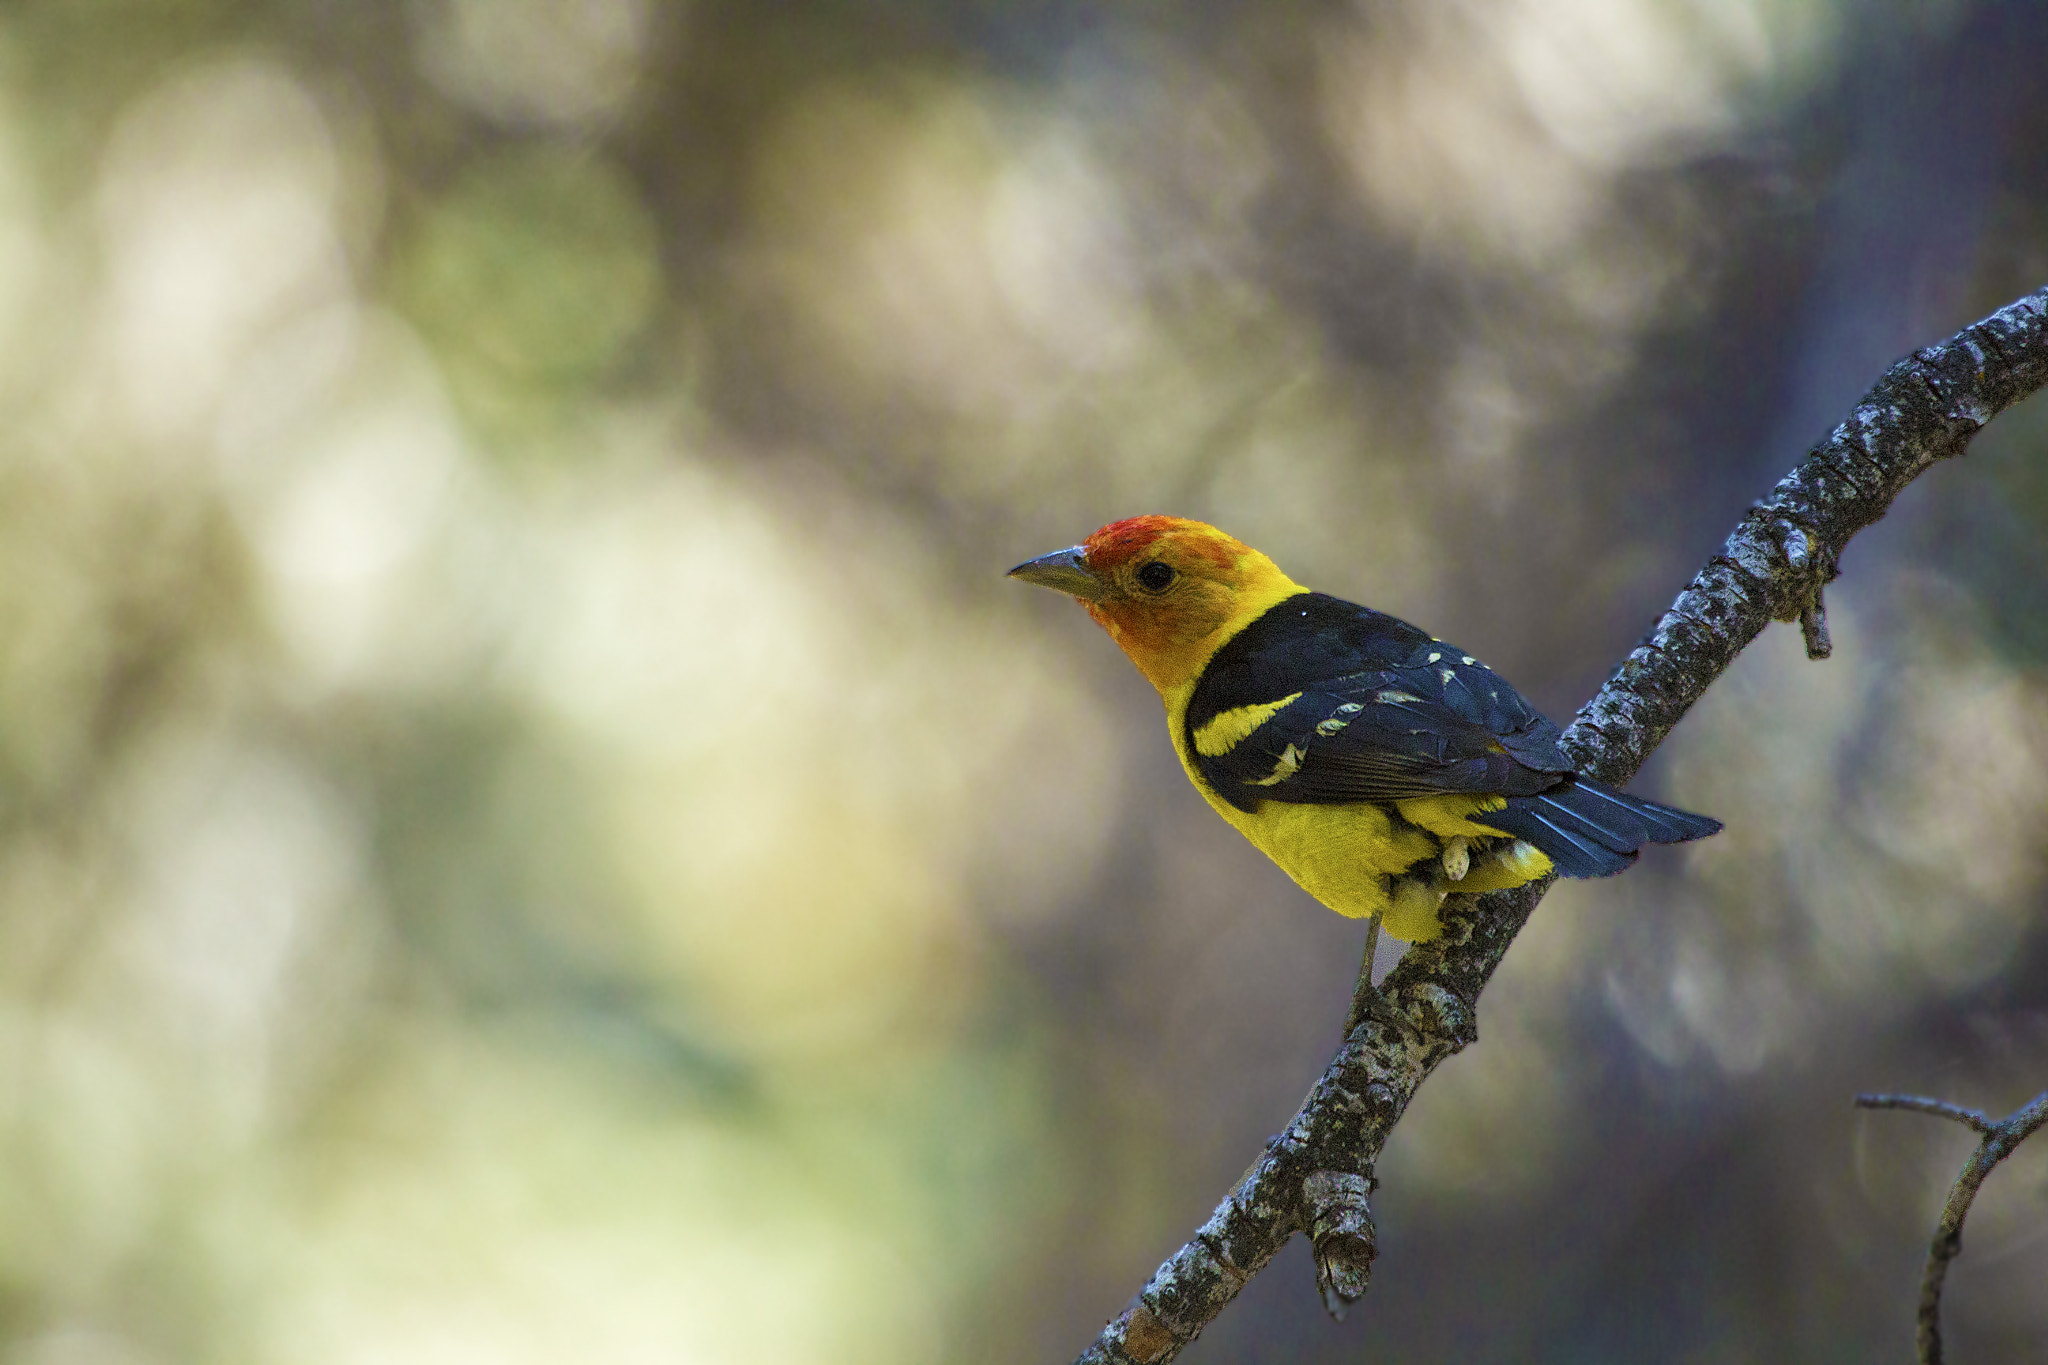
(1352, 857)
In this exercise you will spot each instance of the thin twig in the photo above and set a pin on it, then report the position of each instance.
(1998, 1141)
(1974, 1119)
(1317, 1174)
(1364, 995)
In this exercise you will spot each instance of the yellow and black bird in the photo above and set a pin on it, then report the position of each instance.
(1381, 768)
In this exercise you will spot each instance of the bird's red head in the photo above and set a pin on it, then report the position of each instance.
(1168, 590)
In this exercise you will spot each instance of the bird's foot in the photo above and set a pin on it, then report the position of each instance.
(1457, 859)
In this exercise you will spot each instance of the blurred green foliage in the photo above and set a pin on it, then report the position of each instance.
(534, 270)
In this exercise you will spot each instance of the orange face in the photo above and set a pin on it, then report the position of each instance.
(1164, 588)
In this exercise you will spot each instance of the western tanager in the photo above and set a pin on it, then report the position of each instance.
(1381, 768)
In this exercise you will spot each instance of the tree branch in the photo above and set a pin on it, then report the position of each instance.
(1317, 1175)
(1976, 1120)
(1998, 1141)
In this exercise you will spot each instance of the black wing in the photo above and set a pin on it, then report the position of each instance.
(1372, 710)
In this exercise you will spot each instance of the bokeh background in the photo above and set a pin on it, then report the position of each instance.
(532, 828)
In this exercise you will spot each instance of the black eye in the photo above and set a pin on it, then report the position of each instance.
(1155, 576)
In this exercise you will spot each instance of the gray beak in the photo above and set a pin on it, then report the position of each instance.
(1063, 571)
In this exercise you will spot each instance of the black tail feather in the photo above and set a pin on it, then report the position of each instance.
(1591, 830)
(1666, 824)
(1613, 827)
(1575, 854)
